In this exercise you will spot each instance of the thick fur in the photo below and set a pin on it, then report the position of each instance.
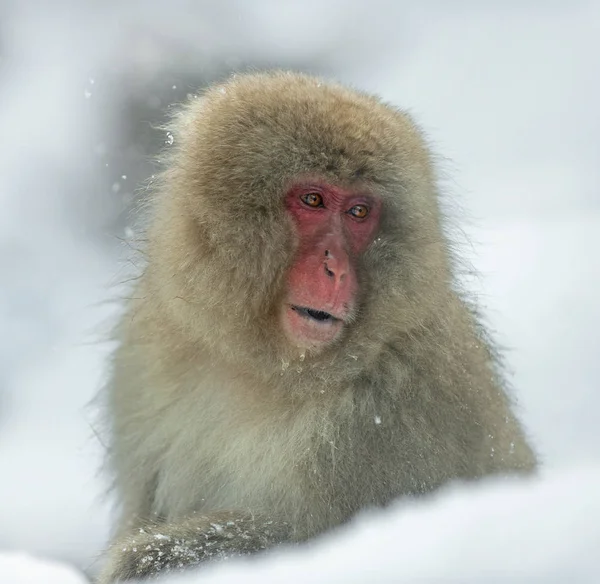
(211, 411)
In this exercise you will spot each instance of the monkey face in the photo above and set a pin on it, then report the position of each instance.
(332, 226)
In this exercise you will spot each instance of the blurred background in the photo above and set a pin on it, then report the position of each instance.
(507, 91)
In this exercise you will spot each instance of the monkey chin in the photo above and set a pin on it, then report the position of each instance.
(310, 328)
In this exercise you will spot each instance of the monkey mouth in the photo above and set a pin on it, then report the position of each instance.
(309, 327)
(316, 315)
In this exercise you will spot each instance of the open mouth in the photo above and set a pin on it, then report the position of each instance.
(310, 327)
(315, 315)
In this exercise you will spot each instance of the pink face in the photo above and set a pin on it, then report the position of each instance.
(334, 226)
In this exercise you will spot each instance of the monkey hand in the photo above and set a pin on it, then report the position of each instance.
(158, 548)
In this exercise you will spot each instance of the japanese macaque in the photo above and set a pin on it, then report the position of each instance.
(296, 349)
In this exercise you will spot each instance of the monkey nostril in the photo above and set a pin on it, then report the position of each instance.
(328, 271)
(327, 254)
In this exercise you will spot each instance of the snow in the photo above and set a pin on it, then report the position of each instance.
(20, 568)
(544, 530)
(520, 532)
(507, 91)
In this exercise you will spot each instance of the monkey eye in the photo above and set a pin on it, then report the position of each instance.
(313, 200)
(359, 211)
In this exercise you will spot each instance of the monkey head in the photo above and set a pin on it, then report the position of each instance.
(295, 216)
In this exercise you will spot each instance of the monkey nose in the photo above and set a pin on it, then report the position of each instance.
(336, 262)
(335, 270)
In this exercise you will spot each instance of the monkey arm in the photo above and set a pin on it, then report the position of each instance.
(163, 547)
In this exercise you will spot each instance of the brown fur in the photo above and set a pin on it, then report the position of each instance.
(211, 410)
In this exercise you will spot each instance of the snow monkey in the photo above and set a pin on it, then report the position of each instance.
(297, 348)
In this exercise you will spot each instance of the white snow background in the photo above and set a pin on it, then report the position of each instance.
(509, 94)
